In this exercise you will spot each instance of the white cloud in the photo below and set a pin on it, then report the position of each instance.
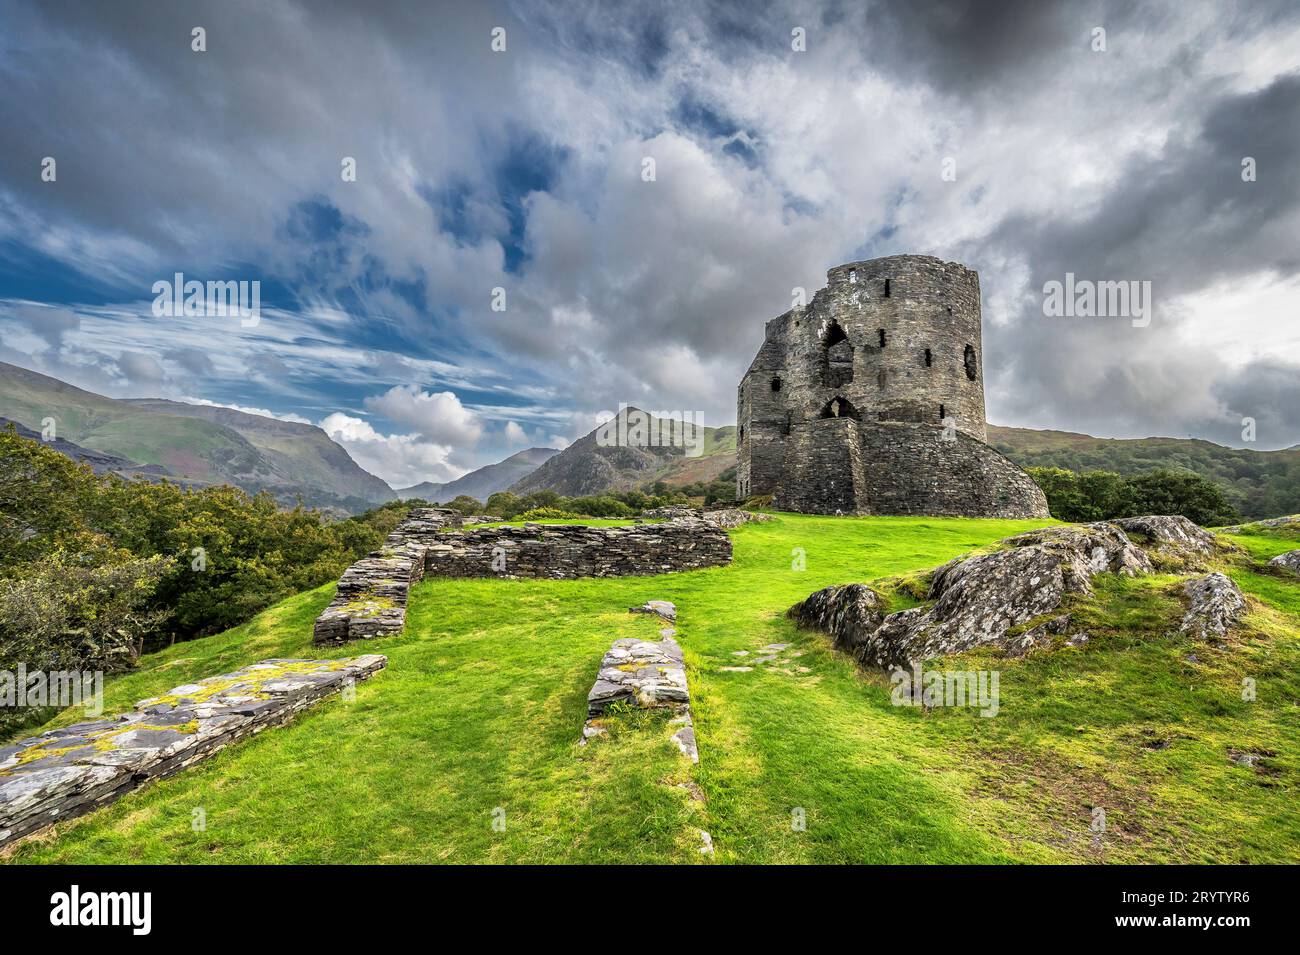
(438, 417)
(260, 412)
(400, 459)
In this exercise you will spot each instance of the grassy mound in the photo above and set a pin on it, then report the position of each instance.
(477, 717)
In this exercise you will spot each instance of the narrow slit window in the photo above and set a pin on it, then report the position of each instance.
(886, 288)
(881, 333)
(942, 413)
(929, 359)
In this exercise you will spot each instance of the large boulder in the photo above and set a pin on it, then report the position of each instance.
(1173, 540)
(850, 613)
(1288, 562)
(1214, 605)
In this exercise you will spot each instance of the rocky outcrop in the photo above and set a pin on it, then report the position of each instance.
(1173, 540)
(73, 770)
(1214, 606)
(646, 674)
(1291, 522)
(986, 599)
(1288, 562)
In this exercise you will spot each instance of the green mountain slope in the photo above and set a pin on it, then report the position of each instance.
(1257, 483)
(480, 484)
(587, 467)
(199, 443)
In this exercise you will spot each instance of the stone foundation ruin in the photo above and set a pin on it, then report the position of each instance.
(70, 771)
(371, 596)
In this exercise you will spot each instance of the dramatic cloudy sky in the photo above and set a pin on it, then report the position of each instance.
(522, 170)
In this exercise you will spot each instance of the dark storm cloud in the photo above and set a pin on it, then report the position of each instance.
(521, 170)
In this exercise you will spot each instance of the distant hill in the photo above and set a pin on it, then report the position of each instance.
(485, 481)
(201, 443)
(586, 467)
(101, 462)
(1257, 483)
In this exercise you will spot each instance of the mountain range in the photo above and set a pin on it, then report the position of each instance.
(199, 444)
(484, 482)
(206, 444)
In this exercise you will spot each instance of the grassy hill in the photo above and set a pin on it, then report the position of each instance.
(205, 444)
(1257, 483)
(588, 467)
(482, 703)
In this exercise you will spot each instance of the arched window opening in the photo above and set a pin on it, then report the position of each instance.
(836, 357)
(969, 360)
(929, 359)
(776, 383)
(839, 407)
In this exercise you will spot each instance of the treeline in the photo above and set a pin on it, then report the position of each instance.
(95, 569)
(1255, 483)
(1101, 495)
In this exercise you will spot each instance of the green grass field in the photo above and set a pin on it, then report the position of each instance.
(482, 703)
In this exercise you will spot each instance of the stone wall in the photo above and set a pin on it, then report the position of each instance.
(370, 600)
(371, 597)
(565, 551)
(73, 770)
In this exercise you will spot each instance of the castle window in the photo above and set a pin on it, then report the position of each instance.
(776, 383)
(969, 361)
(742, 433)
(929, 359)
(839, 407)
(836, 357)
(942, 413)
(881, 332)
(785, 428)
(886, 288)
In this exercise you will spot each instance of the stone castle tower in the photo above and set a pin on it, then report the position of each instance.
(870, 400)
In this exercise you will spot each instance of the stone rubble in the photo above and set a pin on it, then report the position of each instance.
(73, 770)
(646, 674)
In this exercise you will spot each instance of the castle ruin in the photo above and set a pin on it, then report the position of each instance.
(870, 400)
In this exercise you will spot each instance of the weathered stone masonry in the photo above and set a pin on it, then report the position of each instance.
(372, 593)
(843, 408)
(73, 770)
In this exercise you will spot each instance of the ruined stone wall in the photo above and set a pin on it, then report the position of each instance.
(566, 551)
(371, 597)
(70, 771)
(915, 471)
